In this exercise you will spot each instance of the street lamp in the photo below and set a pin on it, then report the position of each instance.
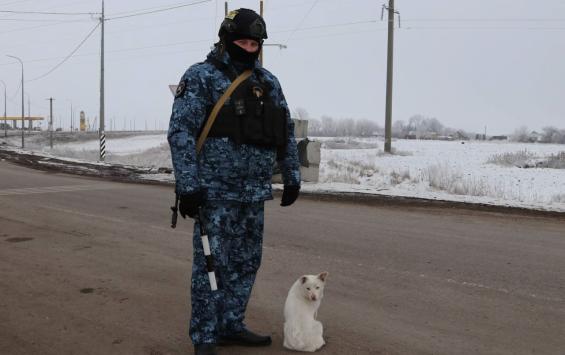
(5, 124)
(22, 63)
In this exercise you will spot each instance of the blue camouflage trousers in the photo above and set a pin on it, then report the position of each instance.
(235, 232)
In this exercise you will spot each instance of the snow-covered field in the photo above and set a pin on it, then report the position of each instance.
(454, 171)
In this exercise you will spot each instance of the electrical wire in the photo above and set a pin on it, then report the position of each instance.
(491, 28)
(141, 13)
(15, 2)
(68, 56)
(484, 20)
(41, 26)
(327, 26)
(303, 19)
(49, 13)
(30, 20)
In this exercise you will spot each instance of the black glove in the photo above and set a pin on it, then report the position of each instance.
(290, 194)
(189, 203)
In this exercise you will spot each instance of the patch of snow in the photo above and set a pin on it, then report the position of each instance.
(440, 170)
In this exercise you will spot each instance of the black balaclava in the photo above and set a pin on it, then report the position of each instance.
(239, 54)
(242, 24)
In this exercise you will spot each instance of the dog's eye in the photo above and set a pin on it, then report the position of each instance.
(317, 287)
(308, 288)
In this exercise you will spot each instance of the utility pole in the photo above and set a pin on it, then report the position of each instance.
(5, 124)
(226, 8)
(261, 14)
(50, 122)
(388, 109)
(23, 114)
(29, 113)
(101, 132)
(72, 117)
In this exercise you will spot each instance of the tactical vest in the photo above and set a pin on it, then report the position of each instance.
(250, 116)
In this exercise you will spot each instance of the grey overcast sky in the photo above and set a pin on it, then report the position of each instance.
(469, 63)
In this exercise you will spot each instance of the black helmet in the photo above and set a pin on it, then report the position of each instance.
(243, 23)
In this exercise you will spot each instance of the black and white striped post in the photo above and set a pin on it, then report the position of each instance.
(207, 254)
(102, 146)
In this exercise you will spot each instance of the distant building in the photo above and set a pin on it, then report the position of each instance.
(498, 138)
(535, 137)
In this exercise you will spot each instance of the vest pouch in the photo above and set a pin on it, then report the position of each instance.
(275, 127)
(253, 123)
(227, 124)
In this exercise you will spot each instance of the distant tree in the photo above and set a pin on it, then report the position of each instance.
(328, 126)
(422, 125)
(301, 113)
(345, 127)
(399, 129)
(521, 134)
(553, 135)
(314, 127)
(366, 128)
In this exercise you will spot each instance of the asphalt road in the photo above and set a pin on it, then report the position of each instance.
(92, 267)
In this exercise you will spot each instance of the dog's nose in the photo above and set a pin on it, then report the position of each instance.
(313, 297)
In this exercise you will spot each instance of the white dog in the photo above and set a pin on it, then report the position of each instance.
(302, 331)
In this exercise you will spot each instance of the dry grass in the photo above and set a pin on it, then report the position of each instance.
(520, 159)
(398, 177)
(348, 172)
(347, 143)
(445, 178)
(555, 161)
(526, 159)
(559, 198)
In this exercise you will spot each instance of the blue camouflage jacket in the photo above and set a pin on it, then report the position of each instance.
(225, 170)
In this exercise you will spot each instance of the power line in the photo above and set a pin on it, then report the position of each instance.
(41, 26)
(484, 20)
(158, 10)
(68, 56)
(303, 19)
(49, 13)
(30, 20)
(327, 26)
(491, 28)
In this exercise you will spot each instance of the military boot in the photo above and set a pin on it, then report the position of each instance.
(245, 338)
(205, 349)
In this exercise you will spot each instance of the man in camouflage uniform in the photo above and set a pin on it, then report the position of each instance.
(227, 183)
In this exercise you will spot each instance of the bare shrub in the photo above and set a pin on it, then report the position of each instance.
(520, 158)
(157, 157)
(399, 177)
(442, 177)
(348, 143)
(559, 198)
(521, 134)
(348, 172)
(556, 161)
(394, 151)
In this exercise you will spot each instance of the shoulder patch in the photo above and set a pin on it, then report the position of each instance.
(181, 88)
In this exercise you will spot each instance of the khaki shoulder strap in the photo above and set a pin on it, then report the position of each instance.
(217, 107)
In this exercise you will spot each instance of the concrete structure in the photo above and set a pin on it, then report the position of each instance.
(19, 118)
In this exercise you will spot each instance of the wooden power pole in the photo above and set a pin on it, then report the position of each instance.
(390, 51)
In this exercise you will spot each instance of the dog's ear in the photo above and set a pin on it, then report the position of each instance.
(303, 279)
(323, 276)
